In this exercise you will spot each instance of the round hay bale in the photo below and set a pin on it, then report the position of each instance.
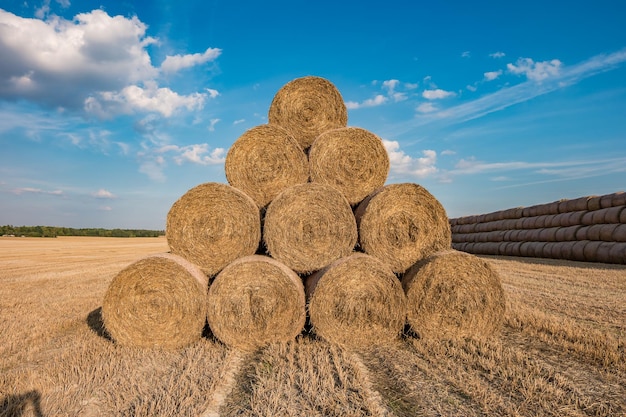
(587, 218)
(582, 233)
(594, 203)
(452, 294)
(213, 224)
(612, 214)
(617, 253)
(264, 161)
(351, 159)
(566, 250)
(619, 199)
(622, 216)
(402, 224)
(548, 234)
(254, 301)
(356, 301)
(306, 107)
(157, 301)
(308, 226)
(603, 252)
(590, 250)
(606, 201)
(606, 232)
(619, 233)
(578, 250)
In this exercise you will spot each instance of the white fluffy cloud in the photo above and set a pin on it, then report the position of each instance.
(177, 62)
(150, 98)
(437, 94)
(104, 194)
(536, 71)
(492, 75)
(95, 62)
(402, 163)
(426, 108)
(370, 102)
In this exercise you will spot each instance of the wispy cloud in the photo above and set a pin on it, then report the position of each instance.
(174, 63)
(437, 94)
(492, 75)
(30, 190)
(497, 55)
(390, 94)
(519, 93)
(103, 194)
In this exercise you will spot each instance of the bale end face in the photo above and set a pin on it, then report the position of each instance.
(213, 224)
(306, 107)
(402, 224)
(356, 301)
(256, 301)
(158, 301)
(308, 226)
(454, 295)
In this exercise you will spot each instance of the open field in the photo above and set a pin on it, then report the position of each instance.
(561, 352)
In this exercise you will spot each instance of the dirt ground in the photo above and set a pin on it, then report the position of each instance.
(561, 351)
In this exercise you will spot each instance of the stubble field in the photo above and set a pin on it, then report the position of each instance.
(561, 351)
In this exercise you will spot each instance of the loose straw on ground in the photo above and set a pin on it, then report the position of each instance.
(264, 161)
(402, 224)
(213, 224)
(308, 226)
(453, 294)
(356, 301)
(158, 301)
(306, 107)
(351, 159)
(255, 301)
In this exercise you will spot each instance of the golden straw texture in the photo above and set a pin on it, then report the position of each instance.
(402, 224)
(213, 224)
(158, 301)
(356, 301)
(264, 161)
(308, 226)
(306, 107)
(255, 301)
(452, 295)
(351, 159)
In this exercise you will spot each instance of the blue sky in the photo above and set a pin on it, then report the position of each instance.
(111, 110)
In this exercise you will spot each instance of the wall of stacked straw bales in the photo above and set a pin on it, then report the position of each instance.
(591, 229)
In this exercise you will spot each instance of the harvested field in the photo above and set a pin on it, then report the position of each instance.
(561, 352)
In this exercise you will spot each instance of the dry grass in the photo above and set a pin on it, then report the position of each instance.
(561, 352)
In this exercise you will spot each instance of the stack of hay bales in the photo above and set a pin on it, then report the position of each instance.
(591, 229)
(306, 224)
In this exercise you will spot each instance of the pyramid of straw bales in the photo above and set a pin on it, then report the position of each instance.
(305, 227)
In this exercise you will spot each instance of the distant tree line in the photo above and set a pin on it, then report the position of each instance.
(54, 231)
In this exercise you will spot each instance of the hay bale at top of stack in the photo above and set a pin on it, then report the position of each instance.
(356, 301)
(158, 301)
(402, 224)
(308, 226)
(264, 161)
(306, 107)
(213, 224)
(254, 301)
(452, 294)
(351, 159)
